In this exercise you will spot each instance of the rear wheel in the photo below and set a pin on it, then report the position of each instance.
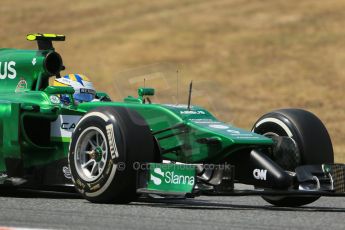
(310, 136)
(107, 145)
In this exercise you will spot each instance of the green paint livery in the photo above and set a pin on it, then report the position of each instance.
(26, 105)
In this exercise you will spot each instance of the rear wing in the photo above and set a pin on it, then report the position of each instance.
(44, 41)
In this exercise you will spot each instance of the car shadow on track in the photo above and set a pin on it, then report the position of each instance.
(179, 203)
(211, 205)
(28, 193)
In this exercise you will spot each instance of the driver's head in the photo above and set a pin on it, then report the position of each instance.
(83, 87)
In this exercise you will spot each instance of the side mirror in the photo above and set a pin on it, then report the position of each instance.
(146, 92)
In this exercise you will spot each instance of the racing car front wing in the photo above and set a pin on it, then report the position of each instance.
(211, 179)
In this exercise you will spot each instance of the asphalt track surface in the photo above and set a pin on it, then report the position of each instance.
(64, 211)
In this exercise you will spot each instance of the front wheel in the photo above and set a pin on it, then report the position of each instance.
(106, 146)
(310, 136)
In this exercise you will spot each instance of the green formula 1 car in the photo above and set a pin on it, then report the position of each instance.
(111, 152)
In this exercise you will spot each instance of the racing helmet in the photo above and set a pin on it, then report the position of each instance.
(83, 87)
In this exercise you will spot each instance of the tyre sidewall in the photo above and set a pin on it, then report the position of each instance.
(107, 178)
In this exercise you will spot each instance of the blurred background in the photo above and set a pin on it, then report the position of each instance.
(245, 57)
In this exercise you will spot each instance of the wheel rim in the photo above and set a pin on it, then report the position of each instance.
(91, 154)
(283, 163)
(275, 198)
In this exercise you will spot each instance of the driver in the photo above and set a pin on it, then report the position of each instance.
(83, 87)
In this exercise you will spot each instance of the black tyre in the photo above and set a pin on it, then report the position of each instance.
(311, 137)
(107, 144)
